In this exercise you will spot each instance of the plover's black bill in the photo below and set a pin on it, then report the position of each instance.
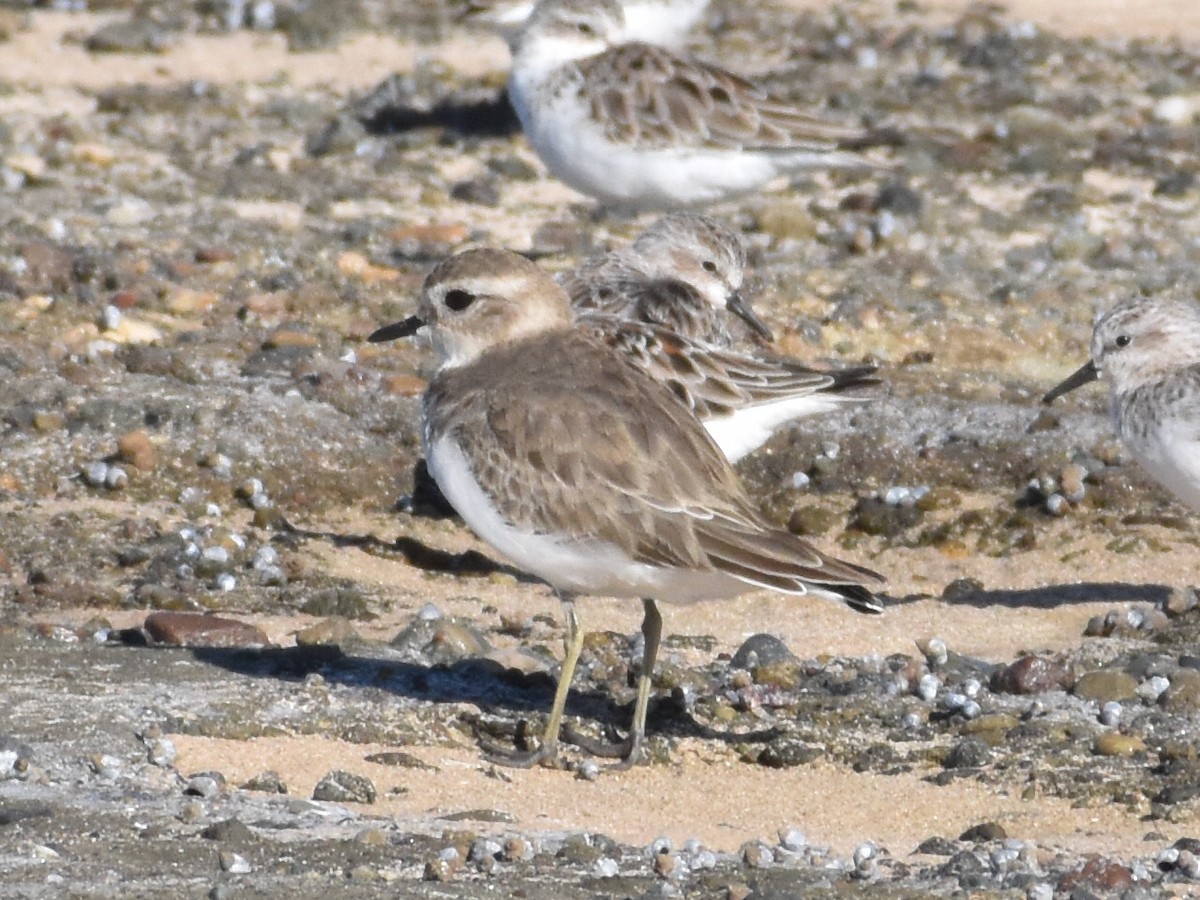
(396, 330)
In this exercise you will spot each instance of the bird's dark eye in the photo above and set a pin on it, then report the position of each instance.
(458, 300)
(1122, 340)
(585, 28)
(708, 266)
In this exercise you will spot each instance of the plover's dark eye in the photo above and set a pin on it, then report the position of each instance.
(1122, 340)
(585, 28)
(708, 266)
(458, 300)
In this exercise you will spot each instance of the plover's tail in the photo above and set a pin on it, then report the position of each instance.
(784, 562)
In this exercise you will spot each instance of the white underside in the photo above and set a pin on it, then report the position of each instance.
(1173, 458)
(583, 567)
(745, 430)
(577, 152)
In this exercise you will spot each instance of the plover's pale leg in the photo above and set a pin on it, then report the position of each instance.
(651, 635)
(631, 751)
(547, 753)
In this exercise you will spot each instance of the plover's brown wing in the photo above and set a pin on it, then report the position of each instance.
(569, 440)
(649, 97)
(712, 381)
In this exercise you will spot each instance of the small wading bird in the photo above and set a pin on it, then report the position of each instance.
(1148, 350)
(587, 473)
(637, 127)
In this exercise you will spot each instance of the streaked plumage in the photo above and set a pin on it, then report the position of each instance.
(1148, 350)
(638, 127)
(685, 272)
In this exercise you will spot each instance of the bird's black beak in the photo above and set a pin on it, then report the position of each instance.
(737, 305)
(407, 328)
(1084, 374)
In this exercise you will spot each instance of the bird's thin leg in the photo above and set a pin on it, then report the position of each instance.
(652, 635)
(547, 753)
(631, 750)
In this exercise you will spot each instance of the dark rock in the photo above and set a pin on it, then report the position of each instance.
(399, 759)
(230, 831)
(761, 650)
(937, 846)
(969, 753)
(1097, 874)
(872, 516)
(196, 630)
(268, 782)
(984, 832)
(13, 811)
(1031, 675)
(344, 787)
(481, 191)
(899, 198)
(1175, 184)
(786, 752)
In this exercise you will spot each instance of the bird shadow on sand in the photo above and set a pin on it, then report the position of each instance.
(1055, 595)
(501, 693)
(391, 109)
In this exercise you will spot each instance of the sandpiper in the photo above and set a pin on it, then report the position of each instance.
(685, 272)
(1148, 350)
(638, 127)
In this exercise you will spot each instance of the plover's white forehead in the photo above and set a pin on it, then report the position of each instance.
(484, 297)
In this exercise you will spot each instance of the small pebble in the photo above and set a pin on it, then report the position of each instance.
(234, 863)
(954, 700)
(865, 864)
(1188, 864)
(1057, 505)
(161, 752)
(1110, 714)
(928, 686)
(935, 650)
(792, 839)
(756, 854)
(1150, 689)
(606, 867)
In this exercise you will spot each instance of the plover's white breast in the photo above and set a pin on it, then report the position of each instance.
(568, 562)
